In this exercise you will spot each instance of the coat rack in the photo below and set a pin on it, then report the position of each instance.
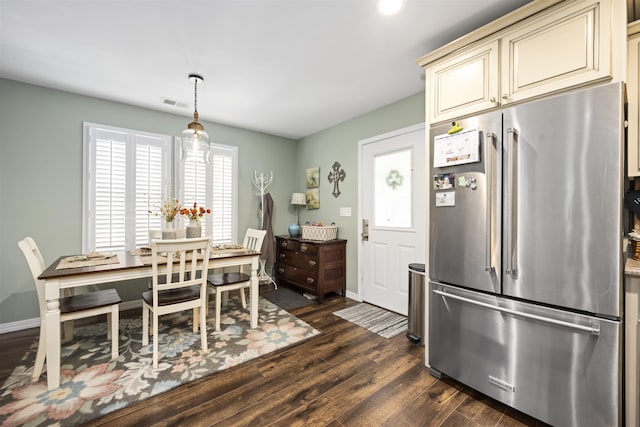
(261, 182)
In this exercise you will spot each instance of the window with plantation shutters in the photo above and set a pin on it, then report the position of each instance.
(224, 191)
(212, 186)
(125, 173)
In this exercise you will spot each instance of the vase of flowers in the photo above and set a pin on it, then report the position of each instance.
(168, 210)
(168, 231)
(194, 229)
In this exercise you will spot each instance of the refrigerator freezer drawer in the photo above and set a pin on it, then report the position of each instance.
(559, 367)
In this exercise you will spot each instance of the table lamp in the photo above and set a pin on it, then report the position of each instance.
(297, 199)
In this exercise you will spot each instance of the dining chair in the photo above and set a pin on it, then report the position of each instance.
(228, 281)
(178, 284)
(73, 307)
(153, 235)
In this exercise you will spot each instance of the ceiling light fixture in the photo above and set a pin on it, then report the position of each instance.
(390, 7)
(194, 138)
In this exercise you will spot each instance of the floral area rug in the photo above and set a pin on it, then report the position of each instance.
(91, 384)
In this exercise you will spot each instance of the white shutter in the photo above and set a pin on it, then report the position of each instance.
(194, 188)
(212, 186)
(148, 187)
(124, 173)
(223, 197)
(110, 191)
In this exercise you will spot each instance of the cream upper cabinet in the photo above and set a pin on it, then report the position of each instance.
(633, 97)
(564, 45)
(567, 46)
(465, 83)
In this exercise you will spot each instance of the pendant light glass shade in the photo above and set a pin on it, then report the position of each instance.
(194, 138)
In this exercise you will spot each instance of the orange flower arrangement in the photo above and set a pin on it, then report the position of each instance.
(195, 212)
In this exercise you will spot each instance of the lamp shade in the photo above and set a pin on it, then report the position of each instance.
(194, 138)
(298, 199)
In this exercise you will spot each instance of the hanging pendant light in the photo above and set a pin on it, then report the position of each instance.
(194, 138)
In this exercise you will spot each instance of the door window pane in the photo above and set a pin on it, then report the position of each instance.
(392, 189)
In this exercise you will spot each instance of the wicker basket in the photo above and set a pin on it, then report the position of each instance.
(312, 232)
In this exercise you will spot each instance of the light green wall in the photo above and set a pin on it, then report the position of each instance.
(340, 143)
(41, 177)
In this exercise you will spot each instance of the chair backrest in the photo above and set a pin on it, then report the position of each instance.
(253, 239)
(36, 265)
(181, 259)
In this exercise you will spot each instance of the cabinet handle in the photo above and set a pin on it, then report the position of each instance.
(505, 96)
(312, 263)
(283, 244)
(281, 256)
(310, 280)
(303, 248)
(492, 99)
(281, 270)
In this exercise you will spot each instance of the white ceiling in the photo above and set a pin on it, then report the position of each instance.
(284, 67)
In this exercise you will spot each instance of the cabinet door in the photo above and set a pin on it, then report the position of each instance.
(633, 94)
(558, 49)
(464, 84)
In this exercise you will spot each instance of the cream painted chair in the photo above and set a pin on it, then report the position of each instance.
(229, 281)
(182, 286)
(74, 307)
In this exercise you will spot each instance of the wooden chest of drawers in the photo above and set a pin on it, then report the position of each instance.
(314, 266)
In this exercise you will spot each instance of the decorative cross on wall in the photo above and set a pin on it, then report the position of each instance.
(335, 176)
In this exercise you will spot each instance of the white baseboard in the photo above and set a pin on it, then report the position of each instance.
(354, 296)
(130, 305)
(20, 325)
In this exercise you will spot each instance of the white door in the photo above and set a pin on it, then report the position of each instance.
(393, 208)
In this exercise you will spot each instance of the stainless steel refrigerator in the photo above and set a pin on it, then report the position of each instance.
(526, 256)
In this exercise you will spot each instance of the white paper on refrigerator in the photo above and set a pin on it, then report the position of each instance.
(445, 198)
(456, 149)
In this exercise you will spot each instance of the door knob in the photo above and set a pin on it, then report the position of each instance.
(365, 230)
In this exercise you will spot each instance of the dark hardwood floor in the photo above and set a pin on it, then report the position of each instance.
(347, 376)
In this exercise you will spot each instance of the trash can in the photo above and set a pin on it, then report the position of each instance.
(415, 321)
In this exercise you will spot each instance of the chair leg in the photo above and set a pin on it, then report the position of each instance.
(40, 355)
(109, 326)
(243, 298)
(155, 340)
(218, 303)
(114, 319)
(68, 331)
(145, 324)
(203, 328)
(196, 319)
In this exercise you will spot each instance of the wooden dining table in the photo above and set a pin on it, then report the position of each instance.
(128, 267)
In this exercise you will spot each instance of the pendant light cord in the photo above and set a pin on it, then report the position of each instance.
(195, 101)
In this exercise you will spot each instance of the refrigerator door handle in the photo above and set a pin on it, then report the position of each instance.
(488, 155)
(595, 329)
(510, 264)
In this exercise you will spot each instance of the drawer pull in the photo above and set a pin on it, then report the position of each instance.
(303, 248)
(283, 244)
(310, 280)
(281, 270)
(281, 256)
(312, 262)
